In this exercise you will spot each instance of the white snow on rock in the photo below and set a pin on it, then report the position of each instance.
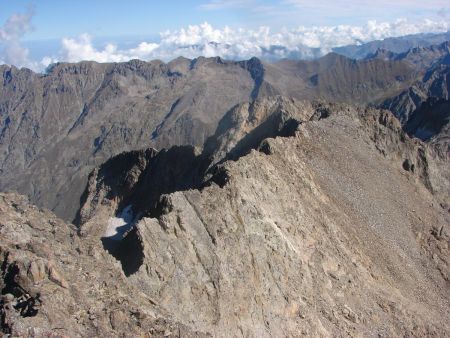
(120, 224)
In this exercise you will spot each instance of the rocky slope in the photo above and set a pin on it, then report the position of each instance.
(55, 128)
(297, 219)
(339, 79)
(57, 284)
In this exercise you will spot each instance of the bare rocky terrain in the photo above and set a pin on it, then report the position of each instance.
(295, 218)
(213, 198)
(55, 128)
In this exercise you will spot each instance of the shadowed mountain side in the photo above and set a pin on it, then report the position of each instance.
(434, 83)
(432, 119)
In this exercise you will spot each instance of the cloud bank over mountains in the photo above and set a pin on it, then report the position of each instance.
(206, 40)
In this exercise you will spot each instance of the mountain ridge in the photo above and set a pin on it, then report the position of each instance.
(312, 229)
(56, 127)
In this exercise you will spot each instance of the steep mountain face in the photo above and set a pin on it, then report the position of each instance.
(431, 123)
(339, 79)
(432, 118)
(55, 128)
(298, 218)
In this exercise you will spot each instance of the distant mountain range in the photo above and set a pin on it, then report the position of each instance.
(396, 45)
(56, 127)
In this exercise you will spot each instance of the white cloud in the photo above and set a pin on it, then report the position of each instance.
(14, 53)
(11, 33)
(369, 4)
(205, 40)
(82, 49)
(16, 26)
(221, 4)
(74, 50)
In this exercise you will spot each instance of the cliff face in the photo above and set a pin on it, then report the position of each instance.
(55, 128)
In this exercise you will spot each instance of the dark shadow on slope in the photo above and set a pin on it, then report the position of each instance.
(176, 169)
(428, 121)
(274, 126)
(116, 178)
(321, 113)
(129, 251)
(15, 300)
(256, 69)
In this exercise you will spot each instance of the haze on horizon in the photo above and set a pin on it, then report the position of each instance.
(37, 34)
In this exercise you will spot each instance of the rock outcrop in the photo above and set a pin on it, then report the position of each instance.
(54, 283)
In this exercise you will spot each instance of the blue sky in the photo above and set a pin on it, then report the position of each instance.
(57, 19)
(38, 32)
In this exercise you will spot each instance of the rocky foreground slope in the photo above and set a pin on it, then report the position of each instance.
(297, 219)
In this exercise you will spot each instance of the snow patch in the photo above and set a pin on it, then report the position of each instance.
(119, 225)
